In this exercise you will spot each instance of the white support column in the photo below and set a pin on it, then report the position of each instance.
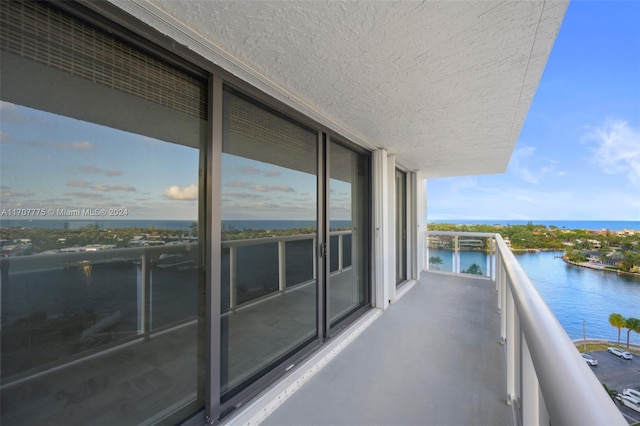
(391, 228)
(380, 297)
(413, 236)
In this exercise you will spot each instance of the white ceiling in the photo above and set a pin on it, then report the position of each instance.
(444, 86)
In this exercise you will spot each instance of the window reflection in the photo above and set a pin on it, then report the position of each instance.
(101, 294)
(269, 231)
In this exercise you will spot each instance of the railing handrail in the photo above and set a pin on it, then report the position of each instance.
(572, 393)
(463, 234)
(276, 238)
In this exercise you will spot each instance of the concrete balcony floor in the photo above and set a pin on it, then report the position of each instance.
(433, 358)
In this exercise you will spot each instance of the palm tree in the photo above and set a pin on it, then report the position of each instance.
(612, 394)
(632, 324)
(473, 269)
(617, 320)
(435, 261)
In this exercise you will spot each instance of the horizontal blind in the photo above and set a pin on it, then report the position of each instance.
(41, 33)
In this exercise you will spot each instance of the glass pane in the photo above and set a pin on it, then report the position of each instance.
(474, 255)
(348, 214)
(269, 208)
(440, 253)
(100, 287)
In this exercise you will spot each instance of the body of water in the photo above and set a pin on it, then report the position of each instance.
(577, 294)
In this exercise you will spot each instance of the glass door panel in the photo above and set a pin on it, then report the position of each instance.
(269, 235)
(348, 221)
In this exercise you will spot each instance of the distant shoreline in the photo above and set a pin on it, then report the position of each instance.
(598, 267)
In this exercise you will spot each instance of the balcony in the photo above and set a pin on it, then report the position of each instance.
(460, 348)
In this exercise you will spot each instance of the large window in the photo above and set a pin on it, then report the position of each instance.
(100, 233)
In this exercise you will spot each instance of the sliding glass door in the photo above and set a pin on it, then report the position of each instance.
(269, 234)
(286, 278)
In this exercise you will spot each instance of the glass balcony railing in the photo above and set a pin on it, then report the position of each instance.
(285, 263)
(547, 380)
(57, 308)
(466, 254)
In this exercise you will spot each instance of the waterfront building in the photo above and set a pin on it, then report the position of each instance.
(226, 110)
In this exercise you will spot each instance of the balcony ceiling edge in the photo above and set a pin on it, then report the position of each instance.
(444, 86)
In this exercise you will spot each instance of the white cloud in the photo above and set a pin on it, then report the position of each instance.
(76, 146)
(85, 195)
(531, 167)
(6, 192)
(79, 183)
(109, 188)
(518, 158)
(97, 170)
(617, 148)
(176, 192)
(272, 188)
(250, 170)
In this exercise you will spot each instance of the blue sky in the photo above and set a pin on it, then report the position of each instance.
(578, 154)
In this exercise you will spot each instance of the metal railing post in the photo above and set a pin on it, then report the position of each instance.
(533, 409)
(282, 266)
(233, 256)
(143, 290)
(503, 302)
(314, 258)
(498, 278)
(340, 252)
(511, 349)
(456, 255)
(492, 246)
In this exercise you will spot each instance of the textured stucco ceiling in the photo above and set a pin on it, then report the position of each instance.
(444, 86)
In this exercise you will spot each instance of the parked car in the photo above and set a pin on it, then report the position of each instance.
(629, 401)
(590, 360)
(620, 353)
(632, 393)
